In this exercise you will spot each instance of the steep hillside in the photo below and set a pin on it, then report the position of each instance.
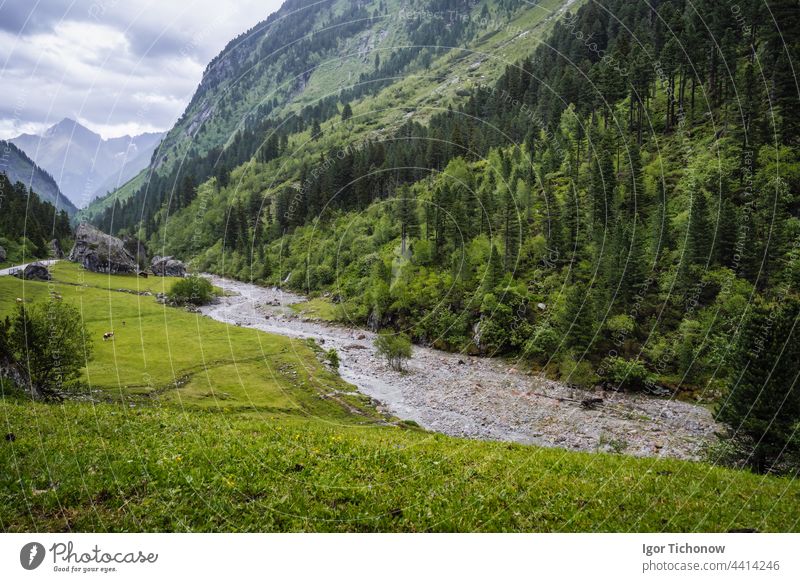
(84, 164)
(18, 167)
(295, 71)
(116, 196)
(618, 205)
(28, 224)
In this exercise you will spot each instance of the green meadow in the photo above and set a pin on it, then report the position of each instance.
(186, 424)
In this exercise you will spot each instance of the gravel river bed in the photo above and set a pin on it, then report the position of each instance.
(481, 398)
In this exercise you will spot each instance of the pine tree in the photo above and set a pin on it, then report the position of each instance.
(602, 185)
(347, 112)
(763, 407)
(700, 232)
(578, 319)
(494, 271)
(316, 130)
(511, 229)
(406, 212)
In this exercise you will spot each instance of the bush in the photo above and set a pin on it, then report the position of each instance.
(580, 374)
(333, 358)
(396, 348)
(46, 345)
(543, 343)
(192, 290)
(626, 374)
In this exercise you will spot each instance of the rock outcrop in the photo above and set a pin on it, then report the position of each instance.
(34, 272)
(55, 249)
(3, 255)
(137, 249)
(100, 252)
(167, 267)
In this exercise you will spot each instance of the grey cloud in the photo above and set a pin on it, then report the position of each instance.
(141, 72)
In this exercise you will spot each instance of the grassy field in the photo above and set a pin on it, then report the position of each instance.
(168, 354)
(319, 308)
(199, 426)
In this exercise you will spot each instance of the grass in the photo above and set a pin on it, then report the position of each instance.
(83, 467)
(169, 354)
(319, 308)
(200, 426)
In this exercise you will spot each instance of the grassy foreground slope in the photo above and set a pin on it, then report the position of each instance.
(199, 426)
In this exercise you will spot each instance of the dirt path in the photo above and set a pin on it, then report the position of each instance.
(15, 268)
(479, 397)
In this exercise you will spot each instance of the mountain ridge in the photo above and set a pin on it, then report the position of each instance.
(252, 88)
(16, 164)
(85, 165)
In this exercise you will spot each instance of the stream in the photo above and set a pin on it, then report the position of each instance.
(481, 398)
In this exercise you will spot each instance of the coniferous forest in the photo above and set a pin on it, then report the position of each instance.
(417, 265)
(28, 223)
(619, 207)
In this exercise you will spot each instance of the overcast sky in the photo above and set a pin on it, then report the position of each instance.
(116, 66)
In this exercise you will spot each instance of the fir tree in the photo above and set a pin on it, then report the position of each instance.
(762, 409)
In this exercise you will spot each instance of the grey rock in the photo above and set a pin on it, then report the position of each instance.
(137, 249)
(34, 272)
(167, 267)
(100, 252)
(55, 249)
(3, 254)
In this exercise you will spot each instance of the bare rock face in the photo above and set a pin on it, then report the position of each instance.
(100, 252)
(55, 249)
(34, 272)
(167, 267)
(137, 249)
(3, 255)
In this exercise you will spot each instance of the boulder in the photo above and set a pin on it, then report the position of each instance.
(167, 267)
(3, 255)
(55, 249)
(137, 249)
(100, 252)
(33, 272)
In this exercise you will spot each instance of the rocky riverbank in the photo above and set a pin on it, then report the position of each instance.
(485, 398)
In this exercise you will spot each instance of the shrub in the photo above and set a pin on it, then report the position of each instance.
(580, 374)
(543, 343)
(626, 374)
(47, 344)
(396, 348)
(620, 325)
(333, 358)
(192, 290)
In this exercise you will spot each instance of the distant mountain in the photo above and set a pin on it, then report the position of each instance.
(15, 164)
(85, 165)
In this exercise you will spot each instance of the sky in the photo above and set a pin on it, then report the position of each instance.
(116, 66)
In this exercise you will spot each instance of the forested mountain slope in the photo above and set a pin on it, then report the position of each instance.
(28, 223)
(619, 206)
(292, 73)
(18, 167)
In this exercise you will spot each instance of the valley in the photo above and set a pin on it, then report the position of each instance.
(403, 266)
(183, 423)
(486, 398)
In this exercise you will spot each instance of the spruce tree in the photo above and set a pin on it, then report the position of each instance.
(762, 409)
(700, 232)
